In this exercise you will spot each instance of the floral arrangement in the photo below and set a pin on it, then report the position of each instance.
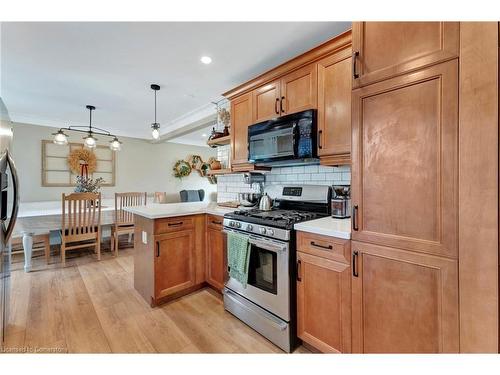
(224, 116)
(88, 185)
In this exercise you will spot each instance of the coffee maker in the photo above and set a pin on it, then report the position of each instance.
(341, 201)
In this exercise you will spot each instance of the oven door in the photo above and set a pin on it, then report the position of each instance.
(268, 276)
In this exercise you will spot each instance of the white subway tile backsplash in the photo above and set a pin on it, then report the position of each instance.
(229, 186)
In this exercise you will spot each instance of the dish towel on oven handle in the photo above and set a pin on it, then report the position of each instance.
(238, 257)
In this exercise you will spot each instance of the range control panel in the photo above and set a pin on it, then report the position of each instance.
(292, 191)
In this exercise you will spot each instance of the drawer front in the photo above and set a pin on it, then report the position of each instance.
(214, 221)
(324, 246)
(173, 224)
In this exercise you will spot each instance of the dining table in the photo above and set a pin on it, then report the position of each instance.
(36, 218)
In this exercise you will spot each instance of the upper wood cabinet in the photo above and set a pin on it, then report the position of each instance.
(403, 302)
(294, 92)
(174, 267)
(266, 102)
(405, 152)
(334, 108)
(388, 49)
(299, 90)
(241, 118)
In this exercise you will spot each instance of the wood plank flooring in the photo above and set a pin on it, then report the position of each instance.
(92, 307)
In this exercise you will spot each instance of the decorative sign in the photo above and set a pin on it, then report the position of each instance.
(56, 160)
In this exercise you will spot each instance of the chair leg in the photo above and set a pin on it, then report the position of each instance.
(63, 254)
(116, 243)
(98, 248)
(46, 242)
(112, 240)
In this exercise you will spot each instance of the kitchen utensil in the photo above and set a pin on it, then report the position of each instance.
(266, 203)
(249, 199)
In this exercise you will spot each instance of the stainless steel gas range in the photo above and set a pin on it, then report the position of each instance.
(268, 303)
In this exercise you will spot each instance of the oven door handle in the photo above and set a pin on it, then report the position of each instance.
(267, 245)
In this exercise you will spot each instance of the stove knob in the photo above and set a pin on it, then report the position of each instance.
(250, 227)
(270, 232)
(231, 223)
(238, 225)
(262, 230)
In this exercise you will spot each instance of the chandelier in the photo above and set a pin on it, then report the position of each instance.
(90, 141)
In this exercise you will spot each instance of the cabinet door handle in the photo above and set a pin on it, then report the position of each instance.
(329, 247)
(354, 264)
(299, 270)
(175, 224)
(216, 222)
(157, 249)
(276, 108)
(355, 217)
(354, 58)
(281, 104)
(320, 136)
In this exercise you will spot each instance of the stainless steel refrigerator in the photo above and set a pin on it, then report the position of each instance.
(9, 203)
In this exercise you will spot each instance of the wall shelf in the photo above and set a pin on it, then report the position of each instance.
(221, 141)
(215, 172)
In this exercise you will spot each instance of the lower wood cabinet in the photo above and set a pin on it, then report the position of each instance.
(403, 302)
(174, 262)
(216, 253)
(324, 303)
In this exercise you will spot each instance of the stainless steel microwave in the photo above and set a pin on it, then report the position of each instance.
(288, 139)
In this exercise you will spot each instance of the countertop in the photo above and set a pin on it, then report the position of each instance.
(328, 226)
(48, 208)
(158, 211)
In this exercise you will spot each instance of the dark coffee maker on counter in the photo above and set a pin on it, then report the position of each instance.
(341, 201)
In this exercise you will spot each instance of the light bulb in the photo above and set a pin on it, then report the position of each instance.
(155, 132)
(90, 141)
(60, 138)
(115, 145)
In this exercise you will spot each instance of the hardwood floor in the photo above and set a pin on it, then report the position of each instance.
(92, 307)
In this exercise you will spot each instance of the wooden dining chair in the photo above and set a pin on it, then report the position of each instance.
(160, 197)
(124, 220)
(81, 223)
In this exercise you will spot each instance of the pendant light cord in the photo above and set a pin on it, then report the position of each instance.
(90, 126)
(155, 106)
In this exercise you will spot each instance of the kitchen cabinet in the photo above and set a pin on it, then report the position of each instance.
(404, 170)
(294, 92)
(334, 108)
(216, 253)
(324, 292)
(174, 262)
(403, 302)
(241, 118)
(387, 49)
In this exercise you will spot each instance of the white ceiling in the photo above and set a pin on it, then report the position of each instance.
(50, 71)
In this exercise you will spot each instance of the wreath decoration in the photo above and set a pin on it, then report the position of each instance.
(80, 157)
(182, 169)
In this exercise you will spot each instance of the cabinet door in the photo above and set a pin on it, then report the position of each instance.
(216, 258)
(324, 303)
(403, 302)
(404, 170)
(266, 102)
(241, 118)
(334, 105)
(174, 262)
(388, 49)
(299, 90)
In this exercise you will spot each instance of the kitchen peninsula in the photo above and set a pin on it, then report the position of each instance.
(162, 271)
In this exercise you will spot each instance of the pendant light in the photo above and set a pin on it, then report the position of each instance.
(155, 132)
(89, 141)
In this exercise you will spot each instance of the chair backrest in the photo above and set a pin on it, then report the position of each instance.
(81, 215)
(160, 197)
(192, 195)
(123, 200)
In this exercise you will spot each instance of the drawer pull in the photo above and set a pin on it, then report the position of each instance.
(276, 109)
(281, 104)
(329, 247)
(175, 224)
(355, 218)
(354, 58)
(216, 222)
(299, 269)
(157, 249)
(320, 136)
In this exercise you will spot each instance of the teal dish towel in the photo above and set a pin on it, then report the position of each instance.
(238, 257)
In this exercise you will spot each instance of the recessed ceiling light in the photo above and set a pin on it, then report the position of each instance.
(206, 59)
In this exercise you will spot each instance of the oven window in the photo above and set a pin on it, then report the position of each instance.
(262, 270)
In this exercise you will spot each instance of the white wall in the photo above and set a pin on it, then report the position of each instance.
(140, 166)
